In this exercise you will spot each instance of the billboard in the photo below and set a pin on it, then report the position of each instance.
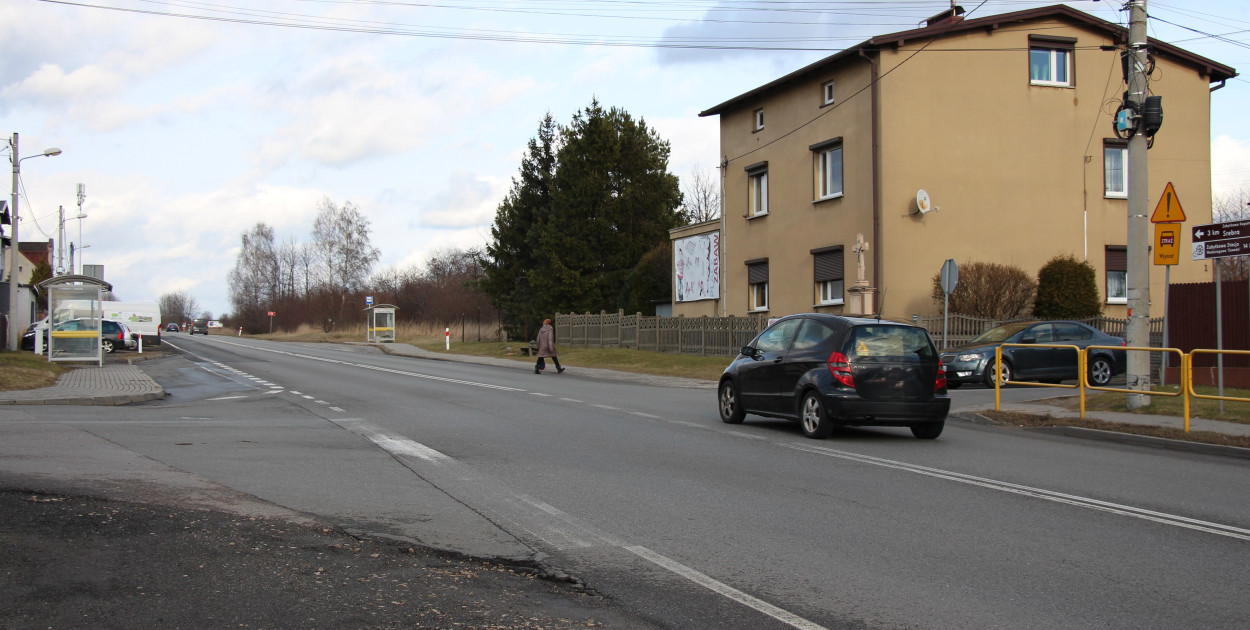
(696, 267)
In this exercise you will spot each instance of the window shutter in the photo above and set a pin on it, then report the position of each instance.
(757, 273)
(1117, 258)
(828, 265)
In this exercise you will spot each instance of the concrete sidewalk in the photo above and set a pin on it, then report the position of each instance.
(91, 385)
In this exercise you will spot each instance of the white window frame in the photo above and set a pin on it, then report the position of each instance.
(826, 93)
(1053, 63)
(825, 292)
(759, 296)
(1107, 151)
(758, 118)
(824, 173)
(757, 190)
(1117, 299)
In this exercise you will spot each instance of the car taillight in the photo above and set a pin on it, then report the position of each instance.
(940, 383)
(840, 368)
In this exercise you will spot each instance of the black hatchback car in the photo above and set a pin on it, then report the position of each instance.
(826, 371)
(974, 362)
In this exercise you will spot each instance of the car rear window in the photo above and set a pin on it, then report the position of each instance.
(890, 341)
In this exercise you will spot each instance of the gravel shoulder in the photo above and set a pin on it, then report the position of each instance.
(84, 562)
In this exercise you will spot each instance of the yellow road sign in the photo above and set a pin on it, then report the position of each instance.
(1167, 243)
(1169, 208)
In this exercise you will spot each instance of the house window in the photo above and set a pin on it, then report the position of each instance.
(1115, 170)
(827, 262)
(1050, 60)
(759, 119)
(757, 189)
(827, 164)
(1117, 274)
(757, 284)
(826, 91)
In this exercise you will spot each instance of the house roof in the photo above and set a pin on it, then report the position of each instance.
(937, 27)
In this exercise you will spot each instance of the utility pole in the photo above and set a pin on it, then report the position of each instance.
(11, 316)
(1137, 331)
(82, 196)
(60, 240)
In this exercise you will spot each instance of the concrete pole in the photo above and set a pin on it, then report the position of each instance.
(1137, 332)
(11, 342)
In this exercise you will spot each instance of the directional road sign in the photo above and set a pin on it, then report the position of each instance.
(1221, 240)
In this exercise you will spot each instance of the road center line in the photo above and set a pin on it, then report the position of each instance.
(1029, 491)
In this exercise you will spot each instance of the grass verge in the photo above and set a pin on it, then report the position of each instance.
(625, 360)
(27, 370)
(1171, 405)
(1032, 420)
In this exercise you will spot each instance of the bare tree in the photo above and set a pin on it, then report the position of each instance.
(700, 191)
(344, 253)
(178, 306)
(254, 279)
(1233, 206)
(990, 290)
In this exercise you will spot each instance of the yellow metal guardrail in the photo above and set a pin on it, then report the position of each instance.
(1082, 356)
(1179, 392)
(998, 371)
(1189, 383)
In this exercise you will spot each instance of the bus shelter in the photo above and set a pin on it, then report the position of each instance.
(380, 323)
(75, 308)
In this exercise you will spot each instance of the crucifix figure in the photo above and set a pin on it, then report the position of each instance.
(861, 246)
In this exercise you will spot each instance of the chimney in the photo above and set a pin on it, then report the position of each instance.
(953, 14)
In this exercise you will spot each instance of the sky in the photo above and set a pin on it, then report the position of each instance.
(187, 131)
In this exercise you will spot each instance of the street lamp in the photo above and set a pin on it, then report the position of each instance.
(14, 246)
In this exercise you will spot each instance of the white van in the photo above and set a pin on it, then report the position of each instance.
(143, 318)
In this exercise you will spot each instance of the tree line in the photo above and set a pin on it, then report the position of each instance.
(584, 227)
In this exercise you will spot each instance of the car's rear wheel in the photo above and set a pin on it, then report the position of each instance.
(731, 411)
(928, 430)
(990, 371)
(812, 417)
(107, 346)
(1099, 371)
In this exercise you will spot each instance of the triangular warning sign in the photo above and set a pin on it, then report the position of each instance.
(1169, 208)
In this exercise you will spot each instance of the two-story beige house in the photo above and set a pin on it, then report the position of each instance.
(1005, 122)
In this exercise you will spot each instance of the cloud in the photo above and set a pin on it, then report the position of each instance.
(1230, 165)
(467, 200)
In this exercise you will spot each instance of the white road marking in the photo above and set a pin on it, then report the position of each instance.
(321, 402)
(608, 407)
(1029, 491)
(227, 398)
(337, 409)
(645, 415)
(571, 400)
(723, 589)
(539, 394)
(563, 531)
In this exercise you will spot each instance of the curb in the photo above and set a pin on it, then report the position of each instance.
(1115, 436)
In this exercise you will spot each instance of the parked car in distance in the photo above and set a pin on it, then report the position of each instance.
(200, 326)
(171, 327)
(974, 362)
(113, 334)
(827, 370)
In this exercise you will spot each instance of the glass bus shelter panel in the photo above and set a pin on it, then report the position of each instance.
(384, 326)
(74, 323)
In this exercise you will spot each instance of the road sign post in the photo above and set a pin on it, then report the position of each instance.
(949, 279)
(1214, 241)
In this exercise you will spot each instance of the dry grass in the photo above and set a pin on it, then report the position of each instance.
(625, 360)
(1171, 405)
(1032, 420)
(27, 370)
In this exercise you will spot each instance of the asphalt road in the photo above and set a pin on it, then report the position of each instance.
(643, 494)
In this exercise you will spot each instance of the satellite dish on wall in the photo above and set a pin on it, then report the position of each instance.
(923, 204)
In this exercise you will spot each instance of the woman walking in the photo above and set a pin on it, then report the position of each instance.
(547, 348)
